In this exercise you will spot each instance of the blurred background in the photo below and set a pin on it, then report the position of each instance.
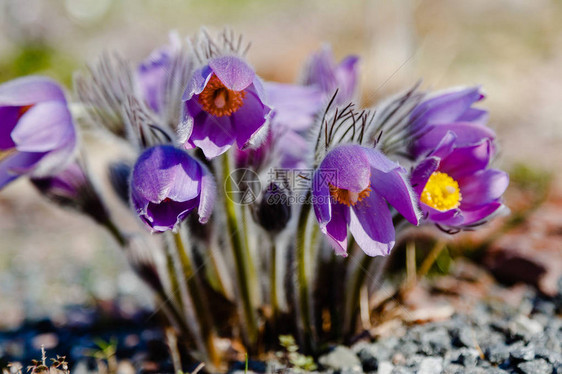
(50, 258)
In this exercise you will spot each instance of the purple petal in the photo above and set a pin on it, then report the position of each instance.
(349, 165)
(451, 217)
(321, 198)
(478, 214)
(466, 134)
(165, 216)
(422, 172)
(30, 90)
(9, 116)
(249, 118)
(394, 187)
(233, 72)
(475, 115)
(445, 107)
(15, 165)
(371, 226)
(44, 127)
(465, 161)
(208, 195)
(336, 229)
(294, 106)
(379, 161)
(214, 135)
(197, 83)
(346, 76)
(165, 172)
(482, 187)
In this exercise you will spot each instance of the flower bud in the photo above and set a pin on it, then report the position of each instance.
(274, 210)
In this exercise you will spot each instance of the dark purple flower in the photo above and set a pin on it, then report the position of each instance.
(224, 104)
(455, 186)
(167, 184)
(449, 111)
(323, 72)
(73, 188)
(352, 187)
(37, 135)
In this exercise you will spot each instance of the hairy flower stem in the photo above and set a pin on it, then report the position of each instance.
(241, 257)
(273, 280)
(198, 300)
(115, 232)
(304, 300)
(353, 292)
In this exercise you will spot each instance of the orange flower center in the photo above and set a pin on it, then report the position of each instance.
(347, 197)
(218, 100)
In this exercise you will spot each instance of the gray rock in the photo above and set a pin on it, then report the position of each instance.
(415, 361)
(539, 366)
(385, 367)
(548, 355)
(408, 348)
(402, 370)
(370, 355)
(467, 357)
(454, 369)
(524, 328)
(518, 353)
(497, 354)
(340, 358)
(435, 342)
(431, 365)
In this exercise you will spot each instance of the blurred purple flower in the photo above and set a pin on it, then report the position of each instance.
(153, 72)
(73, 188)
(322, 72)
(167, 184)
(449, 111)
(455, 185)
(294, 110)
(224, 103)
(352, 187)
(37, 135)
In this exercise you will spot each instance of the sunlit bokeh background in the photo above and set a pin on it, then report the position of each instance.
(513, 48)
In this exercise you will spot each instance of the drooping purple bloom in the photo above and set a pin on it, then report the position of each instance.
(37, 134)
(73, 188)
(167, 184)
(224, 103)
(352, 188)
(323, 72)
(455, 185)
(449, 111)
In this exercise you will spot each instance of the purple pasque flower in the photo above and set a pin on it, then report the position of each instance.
(37, 134)
(224, 103)
(352, 188)
(455, 186)
(448, 111)
(294, 110)
(167, 184)
(73, 188)
(153, 72)
(323, 72)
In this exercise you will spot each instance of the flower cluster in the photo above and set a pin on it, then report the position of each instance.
(192, 111)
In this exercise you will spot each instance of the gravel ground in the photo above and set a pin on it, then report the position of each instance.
(493, 338)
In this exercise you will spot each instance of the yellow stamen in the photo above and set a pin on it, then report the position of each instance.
(218, 100)
(347, 197)
(441, 192)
